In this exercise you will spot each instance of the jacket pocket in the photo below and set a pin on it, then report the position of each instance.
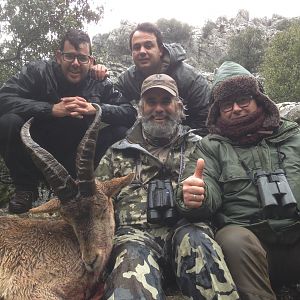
(234, 179)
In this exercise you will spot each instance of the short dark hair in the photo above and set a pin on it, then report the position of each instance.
(75, 37)
(150, 28)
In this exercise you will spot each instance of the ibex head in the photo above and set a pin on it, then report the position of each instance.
(85, 204)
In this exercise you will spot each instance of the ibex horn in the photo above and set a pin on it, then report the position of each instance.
(56, 175)
(85, 157)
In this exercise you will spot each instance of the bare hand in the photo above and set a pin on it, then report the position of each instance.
(194, 187)
(99, 72)
(73, 106)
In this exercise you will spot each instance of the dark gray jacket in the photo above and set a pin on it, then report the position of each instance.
(192, 86)
(41, 84)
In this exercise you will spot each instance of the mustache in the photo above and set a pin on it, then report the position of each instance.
(163, 114)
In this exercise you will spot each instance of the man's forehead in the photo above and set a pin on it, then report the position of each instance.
(139, 36)
(82, 47)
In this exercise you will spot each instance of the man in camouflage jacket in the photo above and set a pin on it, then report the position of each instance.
(148, 250)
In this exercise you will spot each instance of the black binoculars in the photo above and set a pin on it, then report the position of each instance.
(161, 207)
(275, 193)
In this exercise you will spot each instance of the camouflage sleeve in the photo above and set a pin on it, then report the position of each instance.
(104, 170)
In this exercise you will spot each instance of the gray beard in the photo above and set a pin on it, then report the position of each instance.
(166, 130)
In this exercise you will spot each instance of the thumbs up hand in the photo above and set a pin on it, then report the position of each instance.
(194, 187)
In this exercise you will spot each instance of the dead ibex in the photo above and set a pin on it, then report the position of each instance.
(60, 259)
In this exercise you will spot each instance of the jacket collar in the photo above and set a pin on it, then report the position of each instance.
(286, 129)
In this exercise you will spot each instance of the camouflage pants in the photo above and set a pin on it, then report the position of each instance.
(142, 257)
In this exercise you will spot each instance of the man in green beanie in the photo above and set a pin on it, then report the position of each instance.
(246, 176)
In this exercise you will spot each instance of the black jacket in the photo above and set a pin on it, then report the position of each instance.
(41, 84)
(192, 86)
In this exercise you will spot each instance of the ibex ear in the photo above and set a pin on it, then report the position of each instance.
(113, 186)
(50, 206)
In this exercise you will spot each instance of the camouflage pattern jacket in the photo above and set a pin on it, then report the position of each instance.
(129, 155)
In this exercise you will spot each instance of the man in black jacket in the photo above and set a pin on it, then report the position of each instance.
(58, 94)
(150, 56)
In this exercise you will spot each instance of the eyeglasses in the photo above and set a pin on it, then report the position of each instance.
(70, 57)
(241, 102)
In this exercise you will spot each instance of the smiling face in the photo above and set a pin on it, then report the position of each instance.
(74, 71)
(238, 112)
(146, 53)
(160, 113)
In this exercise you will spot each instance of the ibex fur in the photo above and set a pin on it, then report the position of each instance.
(60, 259)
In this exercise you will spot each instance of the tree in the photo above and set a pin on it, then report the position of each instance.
(30, 29)
(174, 31)
(281, 65)
(208, 28)
(247, 48)
(113, 47)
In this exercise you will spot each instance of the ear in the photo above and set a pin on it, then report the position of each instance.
(50, 206)
(161, 50)
(58, 56)
(113, 186)
(92, 60)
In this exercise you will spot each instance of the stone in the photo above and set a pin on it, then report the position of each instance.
(290, 110)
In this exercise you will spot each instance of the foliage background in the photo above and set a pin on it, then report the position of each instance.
(30, 29)
(281, 65)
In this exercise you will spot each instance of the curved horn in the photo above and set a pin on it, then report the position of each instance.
(85, 156)
(56, 175)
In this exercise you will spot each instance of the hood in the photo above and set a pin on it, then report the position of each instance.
(173, 53)
(231, 81)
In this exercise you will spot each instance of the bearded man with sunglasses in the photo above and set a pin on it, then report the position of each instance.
(246, 176)
(59, 95)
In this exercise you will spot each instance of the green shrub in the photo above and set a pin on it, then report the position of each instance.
(281, 65)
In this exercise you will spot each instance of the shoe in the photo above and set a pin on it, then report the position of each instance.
(21, 201)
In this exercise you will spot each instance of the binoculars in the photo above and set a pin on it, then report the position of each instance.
(276, 195)
(161, 207)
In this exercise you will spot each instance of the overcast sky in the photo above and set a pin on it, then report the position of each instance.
(193, 12)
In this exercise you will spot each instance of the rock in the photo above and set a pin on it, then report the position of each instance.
(290, 110)
(242, 17)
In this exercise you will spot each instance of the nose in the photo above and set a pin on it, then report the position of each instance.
(159, 107)
(75, 61)
(90, 266)
(142, 50)
(236, 107)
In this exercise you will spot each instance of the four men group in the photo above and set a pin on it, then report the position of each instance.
(236, 187)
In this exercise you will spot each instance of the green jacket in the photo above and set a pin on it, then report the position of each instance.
(231, 196)
(129, 155)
